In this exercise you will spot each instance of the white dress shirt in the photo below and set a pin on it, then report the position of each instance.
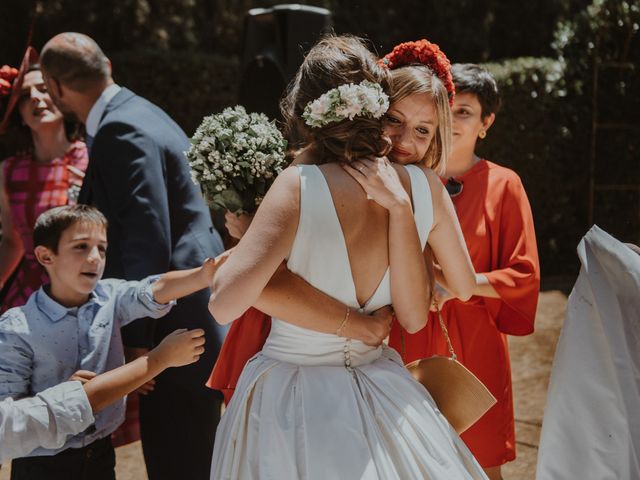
(46, 420)
(95, 114)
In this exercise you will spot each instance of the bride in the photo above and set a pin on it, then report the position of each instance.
(319, 405)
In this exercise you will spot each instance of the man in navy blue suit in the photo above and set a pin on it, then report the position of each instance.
(139, 178)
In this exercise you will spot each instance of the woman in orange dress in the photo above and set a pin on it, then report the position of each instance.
(497, 224)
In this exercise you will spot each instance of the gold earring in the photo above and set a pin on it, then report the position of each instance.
(482, 134)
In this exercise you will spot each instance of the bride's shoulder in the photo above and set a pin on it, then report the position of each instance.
(289, 176)
(286, 185)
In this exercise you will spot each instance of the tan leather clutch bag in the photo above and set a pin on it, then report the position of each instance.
(459, 394)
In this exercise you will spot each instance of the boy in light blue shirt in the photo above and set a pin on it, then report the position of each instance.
(74, 324)
(51, 416)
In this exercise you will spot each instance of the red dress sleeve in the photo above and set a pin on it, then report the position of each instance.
(245, 338)
(516, 272)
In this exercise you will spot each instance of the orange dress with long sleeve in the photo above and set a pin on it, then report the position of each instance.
(497, 224)
(244, 339)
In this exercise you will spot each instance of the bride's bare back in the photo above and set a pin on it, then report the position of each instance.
(365, 227)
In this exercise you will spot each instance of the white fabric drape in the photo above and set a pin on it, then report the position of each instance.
(591, 427)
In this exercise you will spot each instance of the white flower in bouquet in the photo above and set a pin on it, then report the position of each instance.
(235, 157)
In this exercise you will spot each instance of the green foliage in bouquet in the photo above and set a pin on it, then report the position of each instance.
(235, 156)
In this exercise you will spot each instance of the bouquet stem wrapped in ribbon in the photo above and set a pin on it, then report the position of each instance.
(235, 156)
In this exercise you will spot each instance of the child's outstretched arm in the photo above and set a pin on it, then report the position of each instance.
(179, 348)
(180, 283)
(48, 418)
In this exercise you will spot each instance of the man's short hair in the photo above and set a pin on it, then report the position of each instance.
(50, 224)
(472, 78)
(75, 60)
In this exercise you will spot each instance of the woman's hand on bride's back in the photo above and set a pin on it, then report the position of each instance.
(379, 325)
(380, 181)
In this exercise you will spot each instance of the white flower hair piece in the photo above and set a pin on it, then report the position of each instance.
(366, 99)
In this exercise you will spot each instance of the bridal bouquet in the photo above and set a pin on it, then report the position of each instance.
(235, 157)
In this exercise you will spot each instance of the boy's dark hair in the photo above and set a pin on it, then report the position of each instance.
(472, 78)
(50, 224)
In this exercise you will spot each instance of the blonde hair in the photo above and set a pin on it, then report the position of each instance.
(413, 79)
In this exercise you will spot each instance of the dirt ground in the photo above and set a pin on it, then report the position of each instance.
(531, 359)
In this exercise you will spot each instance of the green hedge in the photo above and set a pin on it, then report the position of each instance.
(536, 135)
(468, 30)
(187, 86)
(607, 33)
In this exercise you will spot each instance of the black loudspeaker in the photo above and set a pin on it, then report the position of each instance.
(275, 42)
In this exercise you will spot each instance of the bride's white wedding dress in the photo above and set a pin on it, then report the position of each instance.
(316, 406)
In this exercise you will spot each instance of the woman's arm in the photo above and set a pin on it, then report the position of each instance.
(484, 287)
(240, 280)
(407, 268)
(455, 272)
(11, 248)
(290, 298)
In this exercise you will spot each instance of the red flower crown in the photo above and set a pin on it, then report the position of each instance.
(7, 76)
(427, 54)
(10, 85)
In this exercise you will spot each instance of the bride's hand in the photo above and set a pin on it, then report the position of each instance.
(379, 180)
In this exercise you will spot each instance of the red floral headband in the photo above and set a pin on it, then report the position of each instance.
(11, 83)
(7, 76)
(425, 53)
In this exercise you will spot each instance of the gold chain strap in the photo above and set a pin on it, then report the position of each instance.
(444, 331)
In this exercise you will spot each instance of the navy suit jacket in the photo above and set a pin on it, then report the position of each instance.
(139, 178)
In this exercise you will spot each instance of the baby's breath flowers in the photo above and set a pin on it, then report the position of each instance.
(235, 157)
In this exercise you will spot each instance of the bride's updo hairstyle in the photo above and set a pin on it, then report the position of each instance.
(421, 67)
(332, 62)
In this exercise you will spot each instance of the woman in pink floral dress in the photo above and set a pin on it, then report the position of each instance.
(46, 172)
